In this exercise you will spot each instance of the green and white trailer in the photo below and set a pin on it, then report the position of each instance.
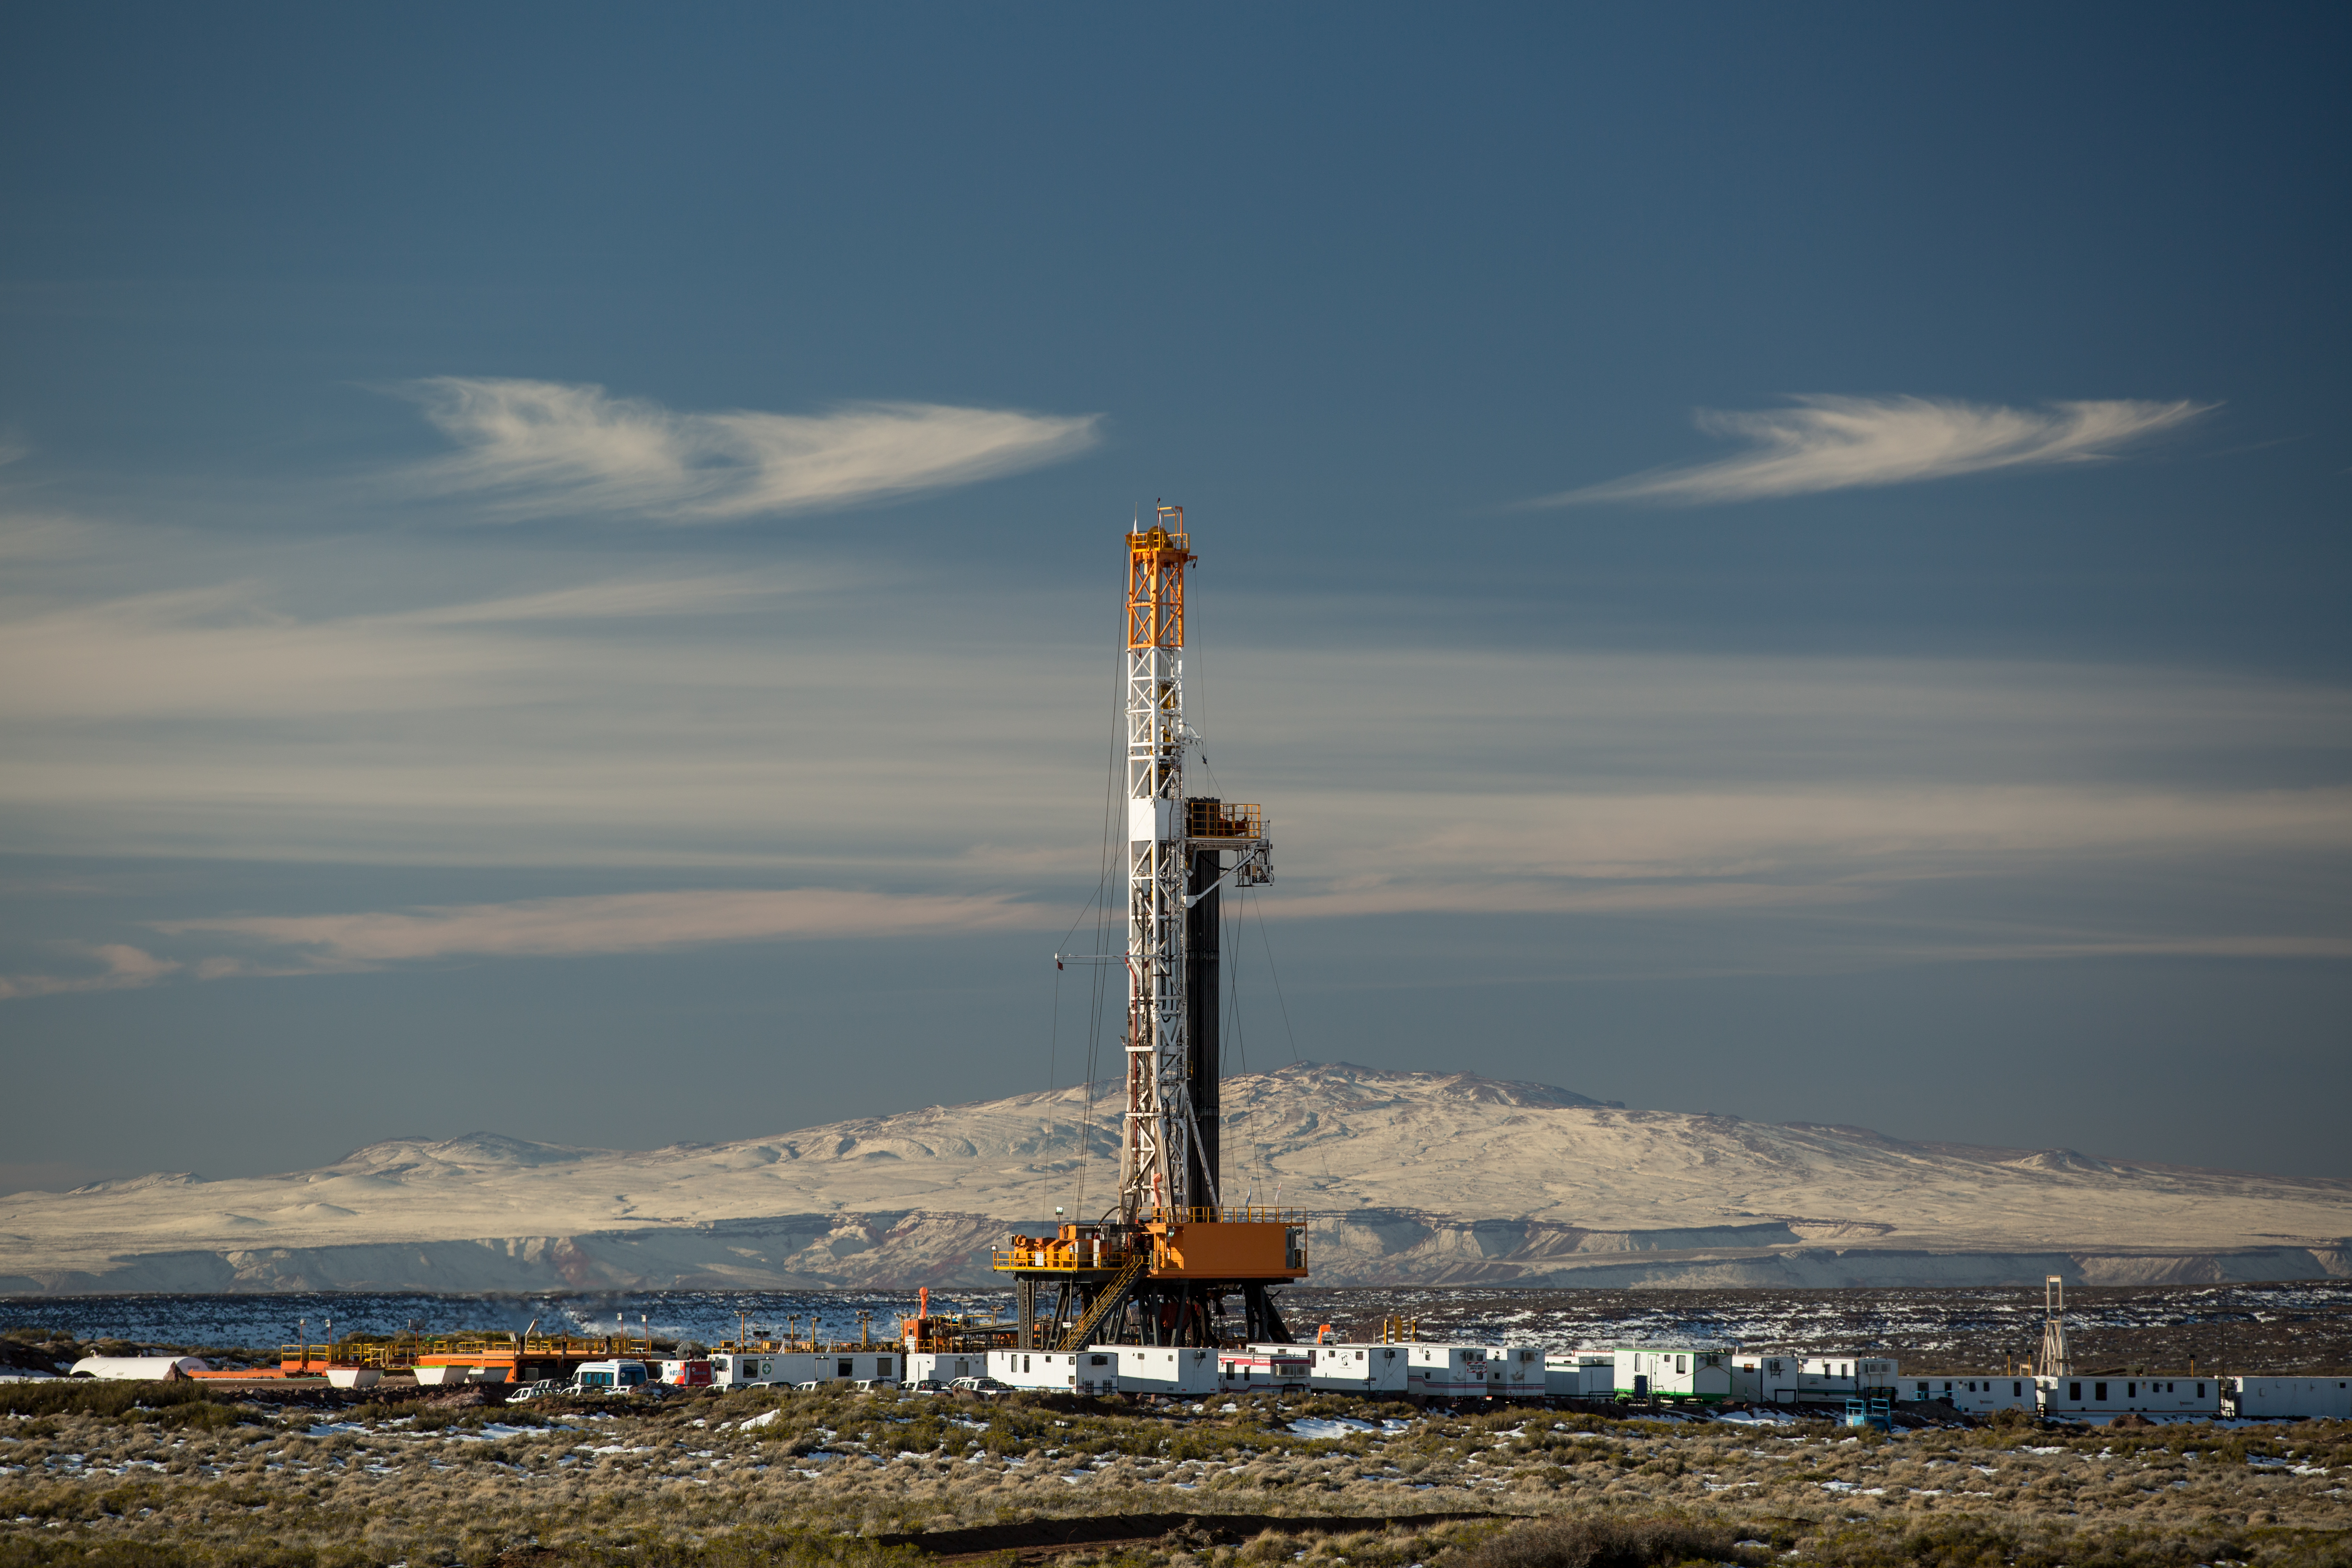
(1685, 1374)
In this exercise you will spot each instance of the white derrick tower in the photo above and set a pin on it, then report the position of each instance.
(1157, 1269)
(1175, 849)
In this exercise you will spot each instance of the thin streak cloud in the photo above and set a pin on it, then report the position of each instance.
(614, 923)
(1827, 443)
(535, 448)
(126, 968)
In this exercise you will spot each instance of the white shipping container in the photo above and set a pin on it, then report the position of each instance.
(2309, 1398)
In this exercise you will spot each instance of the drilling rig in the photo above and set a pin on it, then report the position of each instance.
(1158, 1267)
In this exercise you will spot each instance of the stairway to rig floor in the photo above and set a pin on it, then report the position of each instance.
(1106, 1301)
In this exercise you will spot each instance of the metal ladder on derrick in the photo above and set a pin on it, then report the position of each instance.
(1108, 1300)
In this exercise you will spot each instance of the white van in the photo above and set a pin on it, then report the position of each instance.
(615, 1376)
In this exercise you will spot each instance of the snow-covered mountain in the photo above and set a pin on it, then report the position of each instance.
(1412, 1177)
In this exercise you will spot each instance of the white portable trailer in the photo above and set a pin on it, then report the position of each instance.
(1700, 1373)
(731, 1369)
(1515, 1371)
(1762, 1379)
(2310, 1398)
(1056, 1370)
(1187, 1371)
(1264, 1366)
(1973, 1394)
(751, 1369)
(2170, 1394)
(945, 1366)
(1446, 1372)
(1358, 1369)
(1841, 1373)
(1570, 1374)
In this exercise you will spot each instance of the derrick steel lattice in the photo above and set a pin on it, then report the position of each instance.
(2056, 1360)
(1173, 845)
(1156, 1145)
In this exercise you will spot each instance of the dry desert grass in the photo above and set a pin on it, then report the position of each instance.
(150, 1476)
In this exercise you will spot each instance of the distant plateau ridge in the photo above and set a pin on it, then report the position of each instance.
(1411, 1178)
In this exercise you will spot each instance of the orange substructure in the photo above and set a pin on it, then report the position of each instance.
(1227, 1250)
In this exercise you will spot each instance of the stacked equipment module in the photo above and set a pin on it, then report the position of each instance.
(1157, 1269)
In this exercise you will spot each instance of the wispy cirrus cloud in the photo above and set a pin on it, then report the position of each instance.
(613, 922)
(1827, 443)
(534, 447)
(124, 968)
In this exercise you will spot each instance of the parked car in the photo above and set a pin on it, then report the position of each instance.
(979, 1386)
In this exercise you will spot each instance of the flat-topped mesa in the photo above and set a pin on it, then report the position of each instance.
(1156, 1268)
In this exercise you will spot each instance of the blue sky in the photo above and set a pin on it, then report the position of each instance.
(558, 565)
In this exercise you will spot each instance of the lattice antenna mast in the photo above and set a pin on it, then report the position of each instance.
(1155, 1156)
(2054, 1360)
